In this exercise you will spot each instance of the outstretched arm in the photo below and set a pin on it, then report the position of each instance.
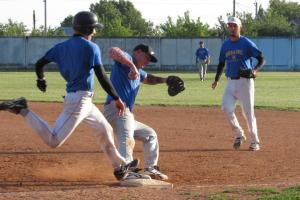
(152, 80)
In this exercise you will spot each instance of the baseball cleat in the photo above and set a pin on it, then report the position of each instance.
(254, 147)
(238, 141)
(133, 166)
(155, 173)
(14, 106)
(126, 171)
(134, 175)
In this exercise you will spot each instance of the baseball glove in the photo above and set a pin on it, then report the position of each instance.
(247, 73)
(175, 85)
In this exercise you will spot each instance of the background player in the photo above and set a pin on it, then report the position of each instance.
(202, 60)
(127, 74)
(78, 59)
(237, 51)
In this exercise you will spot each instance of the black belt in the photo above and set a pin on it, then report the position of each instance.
(234, 78)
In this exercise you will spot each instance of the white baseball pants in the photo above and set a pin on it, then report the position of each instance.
(202, 67)
(242, 90)
(127, 130)
(78, 107)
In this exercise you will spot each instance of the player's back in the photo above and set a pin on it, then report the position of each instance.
(75, 58)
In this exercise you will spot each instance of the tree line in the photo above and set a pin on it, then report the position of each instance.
(121, 19)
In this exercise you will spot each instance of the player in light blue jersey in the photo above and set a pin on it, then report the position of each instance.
(78, 59)
(237, 52)
(126, 76)
(202, 60)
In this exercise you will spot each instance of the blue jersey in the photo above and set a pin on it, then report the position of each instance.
(127, 89)
(75, 58)
(202, 53)
(238, 54)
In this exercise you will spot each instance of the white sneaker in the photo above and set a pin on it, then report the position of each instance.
(238, 141)
(155, 173)
(254, 147)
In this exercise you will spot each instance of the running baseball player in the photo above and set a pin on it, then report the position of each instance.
(78, 59)
(237, 52)
(127, 74)
(202, 60)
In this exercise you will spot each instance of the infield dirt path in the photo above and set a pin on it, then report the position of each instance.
(195, 152)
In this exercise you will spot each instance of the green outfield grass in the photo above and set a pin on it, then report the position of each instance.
(276, 90)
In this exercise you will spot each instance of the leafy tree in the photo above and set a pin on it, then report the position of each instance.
(13, 29)
(184, 27)
(120, 18)
(50, 32)
(115, 29)
(290, 10)
(219, 30)
(131, 17)
(273, 24)
(249, 24)
(267, 23)
(67, 21)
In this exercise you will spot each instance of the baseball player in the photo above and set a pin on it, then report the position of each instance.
(78, 59)
(202, 60)
(126, 76)
(236, 52)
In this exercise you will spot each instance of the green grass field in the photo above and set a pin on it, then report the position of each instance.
(289, 193)
(275, 90)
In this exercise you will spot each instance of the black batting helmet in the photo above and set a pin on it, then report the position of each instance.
(84, 22)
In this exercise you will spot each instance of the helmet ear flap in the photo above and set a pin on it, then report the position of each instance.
(90, 30)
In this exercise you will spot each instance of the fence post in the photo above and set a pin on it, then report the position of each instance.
(25, 62)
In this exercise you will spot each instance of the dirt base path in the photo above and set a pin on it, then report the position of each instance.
(195, 152)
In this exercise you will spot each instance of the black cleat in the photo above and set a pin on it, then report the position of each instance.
(125, 170)
(238, 141)
(14, 106)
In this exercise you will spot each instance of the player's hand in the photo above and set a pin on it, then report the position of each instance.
(120, 106)
(214, 84)
(254, 72)
(133, 74)
(41, 84)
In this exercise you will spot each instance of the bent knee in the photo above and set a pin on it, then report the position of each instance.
(55, 143)
(151, 137)
(227, 109)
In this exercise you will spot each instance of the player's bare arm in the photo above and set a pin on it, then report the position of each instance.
(118, 55)
(220, 69)
(152, 80)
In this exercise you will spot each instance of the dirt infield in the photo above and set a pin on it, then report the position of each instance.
(195, 151)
